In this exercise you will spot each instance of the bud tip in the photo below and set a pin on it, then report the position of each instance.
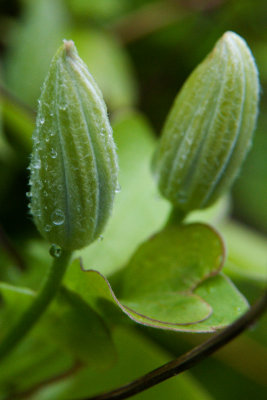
(68, 46)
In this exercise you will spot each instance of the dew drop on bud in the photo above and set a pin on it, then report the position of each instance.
(58, 217)
(53, 153)
(48, 228)
(55, 251)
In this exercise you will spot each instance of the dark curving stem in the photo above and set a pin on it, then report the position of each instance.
(191, 358)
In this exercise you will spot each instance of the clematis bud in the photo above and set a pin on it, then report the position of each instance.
(209, 129)
(73, 164)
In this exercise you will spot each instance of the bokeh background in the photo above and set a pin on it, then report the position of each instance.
(140, 52)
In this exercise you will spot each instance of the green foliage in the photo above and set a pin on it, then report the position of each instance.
(45, 21)
(171, 282)
(149, 271)
(70, 324)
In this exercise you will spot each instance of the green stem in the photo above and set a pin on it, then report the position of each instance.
(39, 305)
(176, 217)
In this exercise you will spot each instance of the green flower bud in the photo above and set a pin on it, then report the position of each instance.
(209, 129)
(74, 164)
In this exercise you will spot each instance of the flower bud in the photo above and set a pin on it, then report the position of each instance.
(74, 164)
(209, 129)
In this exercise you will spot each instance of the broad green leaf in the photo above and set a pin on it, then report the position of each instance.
(101, 9)
(69, 323)
(160, 279)
(32, 45)
(137, 355)
(169, 283)
(110, 66)
(250, 190)
(5, 149)
(80, 330)
(138, 211)
(35, 253)
(36, 358)
(13, 301)
(247, 252)
(6, 158)
(226, 301)
(20, 122)
(32, 362)
(246, 249)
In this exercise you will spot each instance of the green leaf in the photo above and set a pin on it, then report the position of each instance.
(138, 211)
(137, 355)
(32, 45)
(247, 252)
(69, 324)
(80, 330)
(31, 363)
(226, 301)
(101, 9)
(243, 262)
(20, 122)
(5, 149)
(159, 280)
(13, 301)
(169, 283)
(99, 50)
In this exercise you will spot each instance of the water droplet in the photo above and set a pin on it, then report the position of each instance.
(55, 251)
(58, 217)
(36, 213)
(182, 197)
(48, 228)
(29, 194)
(36, 164)
(53, 153)
(63, 107)
(100, 238)
(42, 120)
(51, 113)
(118, 188)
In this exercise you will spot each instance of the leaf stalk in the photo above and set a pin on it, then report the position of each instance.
(34, 312)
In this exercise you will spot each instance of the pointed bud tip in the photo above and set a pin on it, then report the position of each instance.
(69, 46)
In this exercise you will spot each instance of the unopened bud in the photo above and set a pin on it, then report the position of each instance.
(209, 129)
(74, 164)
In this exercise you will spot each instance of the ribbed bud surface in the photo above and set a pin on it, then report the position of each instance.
(74, 165)
(209, 129)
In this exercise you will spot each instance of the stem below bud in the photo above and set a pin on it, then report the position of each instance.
(38, 306)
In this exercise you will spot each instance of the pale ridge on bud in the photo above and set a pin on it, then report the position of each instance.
(209, 129)
(74, 168)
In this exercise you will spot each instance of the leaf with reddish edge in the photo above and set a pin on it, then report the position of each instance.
(170, 282)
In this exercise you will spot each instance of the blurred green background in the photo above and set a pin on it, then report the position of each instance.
(140, 52)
